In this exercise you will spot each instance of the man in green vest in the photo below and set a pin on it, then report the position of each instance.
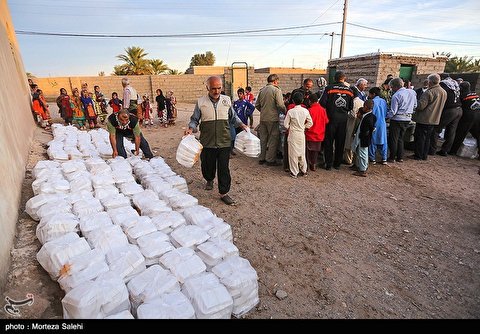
(123, 124)
(215, 115)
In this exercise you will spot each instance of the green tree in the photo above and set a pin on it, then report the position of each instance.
(135, 62)
(462, 65)
(157, 66)
(174, 72)
(120, 69)
(200, 59)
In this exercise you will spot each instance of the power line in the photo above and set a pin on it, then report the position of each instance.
(407, 35)
(207, 34)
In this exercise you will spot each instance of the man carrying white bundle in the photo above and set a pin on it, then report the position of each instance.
(215, 116)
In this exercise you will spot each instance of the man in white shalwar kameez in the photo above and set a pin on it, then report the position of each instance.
(296, 121)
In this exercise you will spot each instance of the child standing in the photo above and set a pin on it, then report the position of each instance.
(78, 113)
(316, 133)
(363, 137)
(297, 120)
(102, 104)
(88, 107)
(244, 109)
(250, 98)
(115, 103)
(147, 111)
(171, 102)
(162, 114)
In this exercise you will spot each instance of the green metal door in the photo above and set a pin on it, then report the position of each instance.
(331, 74)
(406, 72)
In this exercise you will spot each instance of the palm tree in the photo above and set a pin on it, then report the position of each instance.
(135, 61)
(174, 72)
(157, 66)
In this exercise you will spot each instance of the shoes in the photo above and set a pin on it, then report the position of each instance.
(384, 162)
(328, 167)
(233, 153)
(442, 153)
(287, 170)
(293, 175)
(227, 200)
(261, 162)
(312, 167)
(399, 160)
(303, 174)
(359, 173)
(373, 162)
(209, 185)
(353, 167)
(414, 157)
(392, 161)
(272, 163)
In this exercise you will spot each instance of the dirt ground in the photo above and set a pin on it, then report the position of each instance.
(402, 243)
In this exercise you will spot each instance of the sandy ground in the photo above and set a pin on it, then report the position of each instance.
(401, 243)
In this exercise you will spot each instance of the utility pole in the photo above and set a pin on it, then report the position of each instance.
(344, 26)
(331, 45)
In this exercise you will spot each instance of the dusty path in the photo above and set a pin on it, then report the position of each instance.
(401, 243)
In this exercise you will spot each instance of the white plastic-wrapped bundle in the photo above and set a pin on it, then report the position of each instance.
(126, 261)
(164, 171)
(188, 236)
(178, 182)
(125, 213)
(240, 279)
(153, 246)
(151, 284)
(210, 299)
(134, 160)
(196, 214)
(93, 222)
(54, 254)
(248, 144)
(188, 151)
(54, 207)
(174, 305)
(44, 165)
(182, 202)
(154, 208)
(143, 169)
(142, 227)
(215, 250)
(46, 176)
(144, 197)
(82, 268)
(87, 207)
(168, 221)
(91, 163)
(469, 148)
(73, 152)
(130, 188)
(73, 166)
(100, 168)
(114, 294)
(107, 191)
(79, 196)
(80, 175)
(121, 315)
(157, 162)
(122, 176)
(115, 201)
(54, 187)
(33, 204)
(183, 263)
(80, 184)
(107, 238)
(56, 226)
(82, 302)
(120, 164)
(159, 186)
(102, 180)
(220, 229)
(57, 154)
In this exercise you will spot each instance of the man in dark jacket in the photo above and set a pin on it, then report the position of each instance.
(337, 99)
(123, 124)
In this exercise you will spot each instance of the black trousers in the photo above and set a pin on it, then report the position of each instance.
(143, 146)
(449, 120)
(468, 123)
(422, 135)
(214, 159)
(334, 132)
(396, 132)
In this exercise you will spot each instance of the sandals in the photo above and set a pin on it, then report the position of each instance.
(227, 200)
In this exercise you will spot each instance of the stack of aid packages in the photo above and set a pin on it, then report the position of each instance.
(124, 239)
(248, 144)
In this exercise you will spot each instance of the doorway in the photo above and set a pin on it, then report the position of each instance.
(239, 77)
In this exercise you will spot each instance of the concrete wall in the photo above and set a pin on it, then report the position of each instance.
(187, 88)
(16, 133)
(376, 66)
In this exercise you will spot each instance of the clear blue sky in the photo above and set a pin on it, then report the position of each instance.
(450, 26)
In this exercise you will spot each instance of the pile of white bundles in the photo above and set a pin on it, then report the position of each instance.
(188, 151)
(469, 148)
(240, 279)
(172, 305)
(248, 144)
(203, 217)
(183, 263)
